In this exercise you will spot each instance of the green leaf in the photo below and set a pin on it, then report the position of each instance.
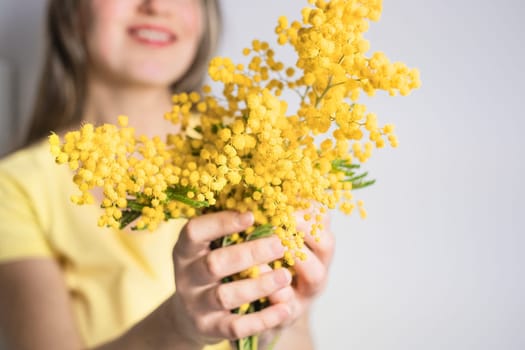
(343, 165)
(348, 169)
(181, 194)
(359, 185)
(133, 205)
(356, 178)
(128, 216)
(260, 232)
(227, 240)
(188, 201)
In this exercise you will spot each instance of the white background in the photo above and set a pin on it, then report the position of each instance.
(439, 262)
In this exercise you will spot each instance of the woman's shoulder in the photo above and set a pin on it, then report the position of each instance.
(31, 161)
(26, 180)
(31, 183)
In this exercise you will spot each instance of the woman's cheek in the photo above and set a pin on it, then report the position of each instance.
(191, 14)
(101, 48)
(107, 30)
(110, 10)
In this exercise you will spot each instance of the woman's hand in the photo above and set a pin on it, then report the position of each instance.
(309, 281)
(202, 303)
(312, 274)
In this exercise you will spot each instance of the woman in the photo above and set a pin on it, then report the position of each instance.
(67, 284)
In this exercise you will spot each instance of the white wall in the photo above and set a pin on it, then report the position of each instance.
(439, 262)
(6, 87)
(21, 44)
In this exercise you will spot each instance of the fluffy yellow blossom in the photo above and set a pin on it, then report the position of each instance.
(246, 150)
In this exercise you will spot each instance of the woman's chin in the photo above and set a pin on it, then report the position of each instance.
(153, 78)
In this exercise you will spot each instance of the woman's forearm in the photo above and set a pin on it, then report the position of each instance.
(298, 336)
(156, 331)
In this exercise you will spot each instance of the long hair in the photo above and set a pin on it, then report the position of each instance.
(61, 95)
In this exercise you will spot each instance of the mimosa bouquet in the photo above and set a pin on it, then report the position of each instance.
(245, 150)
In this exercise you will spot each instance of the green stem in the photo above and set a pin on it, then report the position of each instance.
(274, 342)
(248, 343)
(328, 87)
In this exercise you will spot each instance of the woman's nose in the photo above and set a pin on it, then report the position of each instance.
(155, 7)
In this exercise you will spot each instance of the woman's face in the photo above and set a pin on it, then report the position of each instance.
(144, 42)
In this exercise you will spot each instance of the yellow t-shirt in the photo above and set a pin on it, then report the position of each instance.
(114, 278)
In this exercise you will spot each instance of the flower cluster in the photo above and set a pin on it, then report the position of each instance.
(245, 151)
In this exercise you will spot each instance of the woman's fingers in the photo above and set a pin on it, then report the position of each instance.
(224, 262)
(323, 246)
(235, 326)
(311, 274)
(227, 325)
(228, 296)
(288, 296)
(200, 231)
(283, 295)
(199, 271)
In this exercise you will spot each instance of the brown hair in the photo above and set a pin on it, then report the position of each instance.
(63, 82)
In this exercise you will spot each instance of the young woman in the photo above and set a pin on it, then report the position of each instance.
(67, 284)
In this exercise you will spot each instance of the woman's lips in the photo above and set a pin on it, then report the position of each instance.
(152, 35)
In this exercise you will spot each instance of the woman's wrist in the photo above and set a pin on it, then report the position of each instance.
(159, 330)
(179, 336)
(297, 335)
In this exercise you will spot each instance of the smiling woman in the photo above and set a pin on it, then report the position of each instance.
(95, 50)
(152, 35)
(125, 48)
(74, 285)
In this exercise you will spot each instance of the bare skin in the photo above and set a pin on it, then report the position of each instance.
(35, 309)
(36, 312)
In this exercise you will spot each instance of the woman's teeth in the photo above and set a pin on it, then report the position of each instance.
(153, 35)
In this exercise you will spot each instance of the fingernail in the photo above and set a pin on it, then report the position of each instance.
(245, 219)
(283, 277)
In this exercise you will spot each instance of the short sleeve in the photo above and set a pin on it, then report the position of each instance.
(21, 235)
